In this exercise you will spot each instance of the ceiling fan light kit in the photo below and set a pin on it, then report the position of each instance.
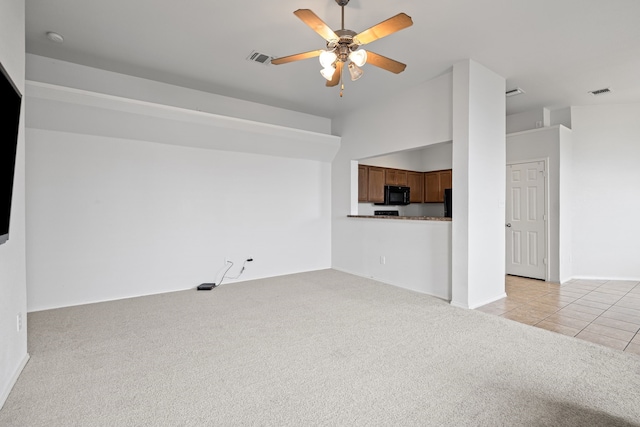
(343, 46)
(327, 58)
(355, 71)
(328, 72)
(358, 57)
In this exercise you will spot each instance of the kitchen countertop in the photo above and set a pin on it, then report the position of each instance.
(411, 218)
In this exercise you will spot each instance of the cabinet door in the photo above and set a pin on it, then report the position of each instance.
(435, 183)
(363, 183)
(401, 178)
(432, 187)
(376, 184)
(396, 177)
(390, 177)
(415, 181)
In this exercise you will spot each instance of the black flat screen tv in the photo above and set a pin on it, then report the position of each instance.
(10, 100)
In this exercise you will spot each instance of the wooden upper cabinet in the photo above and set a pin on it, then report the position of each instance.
(445, 181)
(434, 184)
(415, 181)
(431, 187)
(376, 182)
(396, 177)
(363, 183)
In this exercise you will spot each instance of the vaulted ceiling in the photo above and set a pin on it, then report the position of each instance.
(556, 50)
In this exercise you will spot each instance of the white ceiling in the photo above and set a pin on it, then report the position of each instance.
(556, 50)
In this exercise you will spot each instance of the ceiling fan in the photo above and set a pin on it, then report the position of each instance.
(344, 45)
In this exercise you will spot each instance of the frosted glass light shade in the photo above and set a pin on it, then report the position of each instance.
(358, 57)
(355, 71)
(327, 58)
(327, 72)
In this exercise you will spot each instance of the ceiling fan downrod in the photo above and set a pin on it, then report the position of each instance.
(342, 4)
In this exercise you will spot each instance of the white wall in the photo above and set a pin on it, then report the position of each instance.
(412, 119)
(525, 121)
(437, 157)
(13, 299)
(606, 178)
(111, 218)
(415, 255)
(112, 213)
(552, 144)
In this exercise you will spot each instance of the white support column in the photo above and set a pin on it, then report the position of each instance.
(479, 164)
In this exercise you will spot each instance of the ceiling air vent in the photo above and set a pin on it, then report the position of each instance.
(600, 91)
(259, 57)
(514, 92)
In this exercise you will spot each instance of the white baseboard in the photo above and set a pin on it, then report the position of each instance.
(489, 301)
(479, 304)
(624, 278)
(389, 283)
(5, 392)
(459, 305)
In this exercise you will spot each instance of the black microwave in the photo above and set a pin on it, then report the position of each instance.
(395, 195)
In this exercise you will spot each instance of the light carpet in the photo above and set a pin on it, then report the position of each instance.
(319, 348)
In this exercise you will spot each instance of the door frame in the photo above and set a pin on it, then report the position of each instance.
(545, 186)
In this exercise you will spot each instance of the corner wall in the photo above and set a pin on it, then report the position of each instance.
(128, 197)
(13, 298)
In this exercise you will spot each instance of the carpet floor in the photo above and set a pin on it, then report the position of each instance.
(318, 348)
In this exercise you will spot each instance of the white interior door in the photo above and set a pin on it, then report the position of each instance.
(526, 218)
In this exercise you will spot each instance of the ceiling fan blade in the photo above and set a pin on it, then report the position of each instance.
(383, 29)
(316, 24)
(336, 75)
(385, 63)
(296, 57)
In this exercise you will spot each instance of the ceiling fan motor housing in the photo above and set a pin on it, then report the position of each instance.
(345, 45)
(342, 2)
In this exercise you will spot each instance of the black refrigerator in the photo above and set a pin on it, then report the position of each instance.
(447, 202)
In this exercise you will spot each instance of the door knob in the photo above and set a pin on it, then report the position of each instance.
(508, 224)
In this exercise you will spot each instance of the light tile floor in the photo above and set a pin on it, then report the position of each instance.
(603, 312)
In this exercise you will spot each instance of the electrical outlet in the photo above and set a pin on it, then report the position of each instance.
(19, 322)
(383, 259)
